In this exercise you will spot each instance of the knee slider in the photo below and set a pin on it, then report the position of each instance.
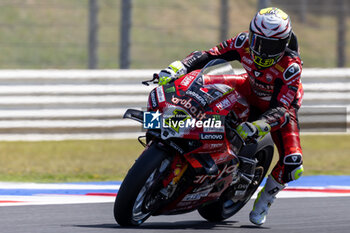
(297, 172)
(293, 166)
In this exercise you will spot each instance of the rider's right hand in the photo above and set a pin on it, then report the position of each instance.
(165, 76)
(173, 71)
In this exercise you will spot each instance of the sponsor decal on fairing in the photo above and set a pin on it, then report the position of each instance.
(187, 103)
(160, 94)
(153, 99)
(197, 97)
(227, 170)
(211, 136)
(225, 103)
(186, 81)
(196, 196)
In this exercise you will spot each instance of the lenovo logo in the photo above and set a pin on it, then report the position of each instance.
(211, 136)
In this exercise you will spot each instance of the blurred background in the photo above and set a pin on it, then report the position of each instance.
(69, 69)
(112, 34)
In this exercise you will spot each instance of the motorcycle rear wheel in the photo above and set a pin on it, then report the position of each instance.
(136, 196)
(225, 207)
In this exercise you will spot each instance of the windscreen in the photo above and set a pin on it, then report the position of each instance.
(206, 94)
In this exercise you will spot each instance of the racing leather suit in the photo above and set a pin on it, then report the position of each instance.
(275, 93)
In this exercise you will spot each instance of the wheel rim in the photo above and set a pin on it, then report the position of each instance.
(140, 211)
(137, 211)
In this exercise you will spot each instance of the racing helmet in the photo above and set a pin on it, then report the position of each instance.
(269, 35)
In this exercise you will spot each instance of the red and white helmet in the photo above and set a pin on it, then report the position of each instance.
(269, 35)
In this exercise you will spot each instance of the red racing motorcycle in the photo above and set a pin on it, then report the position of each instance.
(193, 158)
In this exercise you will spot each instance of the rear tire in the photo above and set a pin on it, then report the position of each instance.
(225, 207)
(134, 198)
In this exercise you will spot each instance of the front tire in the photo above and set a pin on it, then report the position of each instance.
(136, 194)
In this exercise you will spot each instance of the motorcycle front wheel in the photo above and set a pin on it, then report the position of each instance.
(136, 197)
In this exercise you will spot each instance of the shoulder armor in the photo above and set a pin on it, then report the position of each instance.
(291, 71)
(241, 39)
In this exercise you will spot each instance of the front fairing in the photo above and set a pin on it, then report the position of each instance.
(194, 110)
(212, 157)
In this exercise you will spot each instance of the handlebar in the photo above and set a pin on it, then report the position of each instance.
(153, 80)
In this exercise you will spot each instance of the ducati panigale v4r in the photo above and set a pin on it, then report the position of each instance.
(193, 158)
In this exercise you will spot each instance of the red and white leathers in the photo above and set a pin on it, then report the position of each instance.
(275, 92)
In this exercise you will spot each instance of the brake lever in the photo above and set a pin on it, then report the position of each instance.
(154, 80)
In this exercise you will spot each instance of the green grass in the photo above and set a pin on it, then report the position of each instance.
(101, 160)
(56, 161)
(324, 154)
(329, 155)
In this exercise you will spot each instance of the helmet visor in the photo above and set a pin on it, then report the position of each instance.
(267, 47)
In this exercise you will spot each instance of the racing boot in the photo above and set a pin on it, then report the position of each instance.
(264, 200)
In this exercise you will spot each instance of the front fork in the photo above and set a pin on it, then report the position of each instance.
(177, 169)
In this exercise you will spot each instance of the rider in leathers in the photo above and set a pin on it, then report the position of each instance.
(269, 54)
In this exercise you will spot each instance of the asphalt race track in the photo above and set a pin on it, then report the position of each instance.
(321, 215)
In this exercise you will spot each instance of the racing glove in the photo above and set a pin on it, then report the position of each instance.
(256, 129)
(173, 71)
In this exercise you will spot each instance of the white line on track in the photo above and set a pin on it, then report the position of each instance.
(48, 199)
(14, 185)
(52, 199)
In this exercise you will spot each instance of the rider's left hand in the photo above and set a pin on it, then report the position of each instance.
(253, 130)
(263, 128)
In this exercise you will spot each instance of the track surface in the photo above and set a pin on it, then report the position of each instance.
(321, 215)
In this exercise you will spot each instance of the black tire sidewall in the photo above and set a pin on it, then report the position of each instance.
(149, 160)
